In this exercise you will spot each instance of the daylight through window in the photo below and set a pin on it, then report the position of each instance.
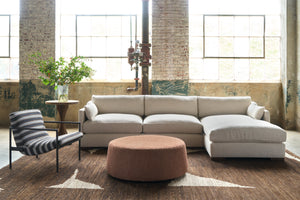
(233, 40)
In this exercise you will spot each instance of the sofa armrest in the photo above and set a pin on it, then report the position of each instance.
(266, 116)
(81, 117)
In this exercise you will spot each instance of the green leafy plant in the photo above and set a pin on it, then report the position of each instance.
(61, 72)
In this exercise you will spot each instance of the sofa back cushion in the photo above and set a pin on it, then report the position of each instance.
(223, 105)
(158, 104)
(125, 104)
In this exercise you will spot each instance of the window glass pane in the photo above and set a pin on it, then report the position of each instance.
(4, 68)
(256, 26)
(125, 45)
(272, 69)
(114, 26)
(225, 26)
(4, 23)
(272, 48)
(211, 69)
(197, 23)
(211, 46)
(14, 69)
(196, 69)
(68, 46)
(256, 47)
(84, 46)
(226, 69)
(67, 27)
(257, 69)
(241, 26)
(99, 65)
(84, 25)
(15, 26)
(114, 47)
(241, 69)
(14, 43)
(4, 47)
(273, 26)
(226, 46)
(241, 47)
(127, 74)
(196, 47)
(98, 46)
(211, 25)
(113, 69)
(98, 25)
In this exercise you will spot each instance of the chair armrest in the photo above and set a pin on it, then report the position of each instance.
(65, 122)
(34, 129)
(266, 116)
(62, 122)
(81, 116)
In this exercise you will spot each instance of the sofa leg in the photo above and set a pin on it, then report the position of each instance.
(277, 159)
(216, 159)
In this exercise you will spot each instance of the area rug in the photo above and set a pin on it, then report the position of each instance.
(32, 178)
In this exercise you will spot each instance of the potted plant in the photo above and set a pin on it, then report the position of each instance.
(61, 73)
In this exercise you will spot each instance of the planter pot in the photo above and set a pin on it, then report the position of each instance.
(62, 93)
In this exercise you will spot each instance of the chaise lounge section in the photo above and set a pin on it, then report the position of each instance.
(225, 126)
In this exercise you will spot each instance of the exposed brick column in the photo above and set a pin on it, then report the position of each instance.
(170, 41)
(37, 33)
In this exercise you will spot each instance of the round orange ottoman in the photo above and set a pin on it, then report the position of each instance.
(146, 158)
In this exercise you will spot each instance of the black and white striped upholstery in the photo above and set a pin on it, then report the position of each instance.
(34, 142)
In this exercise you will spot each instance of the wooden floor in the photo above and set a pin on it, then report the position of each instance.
(292, 144)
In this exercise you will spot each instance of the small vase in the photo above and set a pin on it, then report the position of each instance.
(62, 93)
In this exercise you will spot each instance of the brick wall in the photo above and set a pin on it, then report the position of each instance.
(37, 33)
(170, 41)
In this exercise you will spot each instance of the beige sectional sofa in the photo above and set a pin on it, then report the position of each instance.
(225, 126)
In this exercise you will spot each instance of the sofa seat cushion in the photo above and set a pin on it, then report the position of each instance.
(241, 128)
(114, 123)
(172, 123)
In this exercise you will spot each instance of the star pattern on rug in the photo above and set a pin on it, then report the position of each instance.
(287, 155)
(192, 180)
(1, 188)
(73, 183)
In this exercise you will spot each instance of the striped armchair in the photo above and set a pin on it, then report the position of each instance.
(31, 135)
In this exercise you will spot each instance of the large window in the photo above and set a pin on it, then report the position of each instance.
(101, 31)
(9, 40)
(233, 40)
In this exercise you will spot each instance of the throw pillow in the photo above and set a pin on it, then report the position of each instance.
(255, 111)
(91, 110)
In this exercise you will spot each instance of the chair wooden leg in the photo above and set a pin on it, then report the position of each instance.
(79, 156)
(10, 149)
(57, 167)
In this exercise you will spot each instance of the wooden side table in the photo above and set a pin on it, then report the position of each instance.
(62, 108)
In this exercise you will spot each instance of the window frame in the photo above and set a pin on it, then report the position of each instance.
(106, 15)
(235, 57)
(9, 36)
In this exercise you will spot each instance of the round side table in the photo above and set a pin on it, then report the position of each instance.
(62, 108)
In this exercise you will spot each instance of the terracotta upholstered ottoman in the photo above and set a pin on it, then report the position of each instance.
(146, 158)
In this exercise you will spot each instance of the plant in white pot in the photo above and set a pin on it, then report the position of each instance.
(61, 73)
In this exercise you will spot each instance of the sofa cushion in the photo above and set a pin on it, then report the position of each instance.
(114, 123)
(208, 106)
(255, 111)
(171, 123)
(126, 104)
(91, 110)
(156, 104)
(241, 128)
